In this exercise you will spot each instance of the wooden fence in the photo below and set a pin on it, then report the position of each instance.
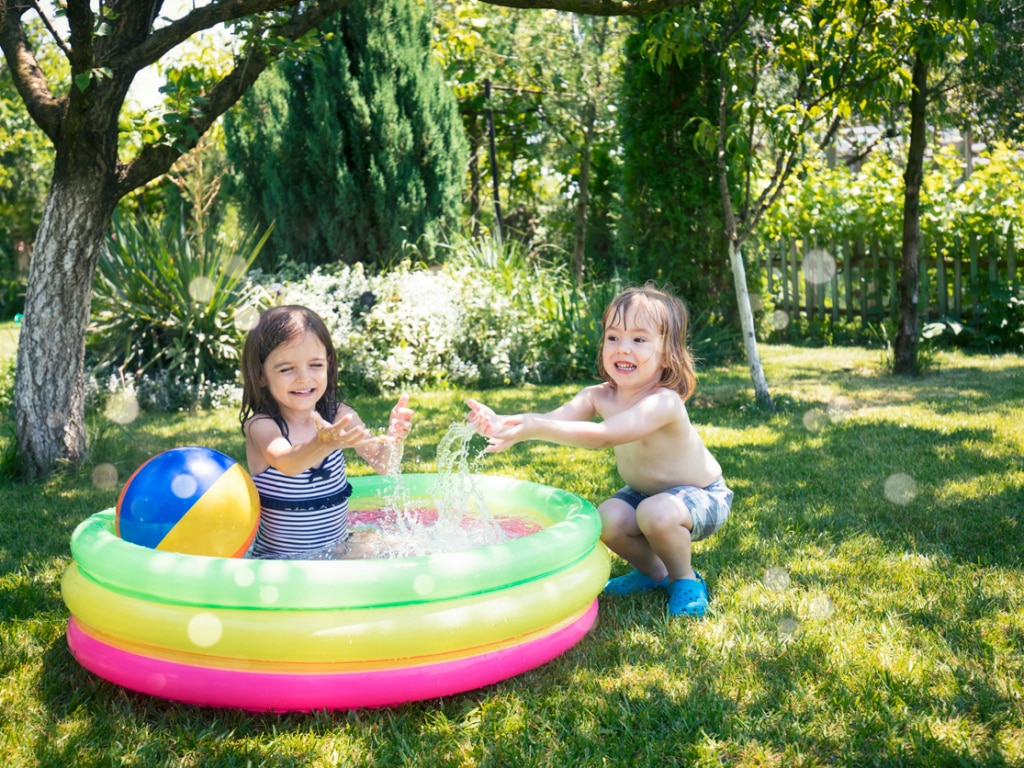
(849, 281)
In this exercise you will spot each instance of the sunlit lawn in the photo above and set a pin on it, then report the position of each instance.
(867, 597)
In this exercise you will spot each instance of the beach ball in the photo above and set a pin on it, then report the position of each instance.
(193, 500)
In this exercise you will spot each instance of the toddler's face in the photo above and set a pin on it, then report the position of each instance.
(632, 350)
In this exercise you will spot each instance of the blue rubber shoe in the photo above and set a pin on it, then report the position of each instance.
(688, 597)
(632, 583)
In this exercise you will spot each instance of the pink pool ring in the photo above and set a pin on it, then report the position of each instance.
(276, 635)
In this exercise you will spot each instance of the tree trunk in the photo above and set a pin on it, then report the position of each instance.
(905, 345)
(757, 377)
(49, 393)
(739, 271)
(579, 245)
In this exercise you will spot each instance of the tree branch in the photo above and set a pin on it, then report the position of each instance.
(156, 159)
(28, 78)
(598, 7)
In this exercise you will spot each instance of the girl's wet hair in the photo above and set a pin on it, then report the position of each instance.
(277, 326)
(669, 316)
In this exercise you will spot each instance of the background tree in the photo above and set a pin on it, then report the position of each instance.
(545, 81)
(24, 169)
(80, 116)
(787, 75)
(929, 37)
(995, 75)
(671, 222)
(355, 150)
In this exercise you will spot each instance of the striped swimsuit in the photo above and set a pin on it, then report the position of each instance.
(303, 516)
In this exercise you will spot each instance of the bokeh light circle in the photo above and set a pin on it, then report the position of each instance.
(900, 488)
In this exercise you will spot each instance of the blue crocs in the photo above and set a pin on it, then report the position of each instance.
(688, 597)
(633, 582)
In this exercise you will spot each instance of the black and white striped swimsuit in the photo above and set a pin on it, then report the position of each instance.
(303, 516)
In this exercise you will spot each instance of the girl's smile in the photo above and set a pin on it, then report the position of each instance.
(296, 373)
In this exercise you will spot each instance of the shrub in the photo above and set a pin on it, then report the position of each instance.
(170, 310)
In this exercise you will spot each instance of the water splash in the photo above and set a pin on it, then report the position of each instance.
(458, 520)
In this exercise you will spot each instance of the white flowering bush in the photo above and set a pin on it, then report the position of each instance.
(419, 328)
(491, 316)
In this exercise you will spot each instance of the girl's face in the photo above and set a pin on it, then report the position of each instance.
(631, 350)
(295, 373)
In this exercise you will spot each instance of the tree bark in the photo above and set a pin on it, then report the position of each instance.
(906, 342)
(49, 395)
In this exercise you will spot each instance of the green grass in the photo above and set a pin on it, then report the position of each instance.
(847, 627)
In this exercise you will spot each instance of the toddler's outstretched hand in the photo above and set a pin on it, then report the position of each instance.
(500, 431)
(482, 418)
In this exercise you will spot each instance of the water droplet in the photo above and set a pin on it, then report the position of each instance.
(900, 488)
(244, 577)
(269, 595)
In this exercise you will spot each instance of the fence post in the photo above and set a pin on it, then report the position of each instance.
(1011, 259)
(942, 290)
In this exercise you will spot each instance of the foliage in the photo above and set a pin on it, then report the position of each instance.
(995, 77)
(25, 161)
(551, 78)
(354, 150)
(839, 210)
(171, 305)
(490, 316)
(865, 598)
(671, 227)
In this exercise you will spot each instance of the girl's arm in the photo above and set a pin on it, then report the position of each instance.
(267, 447)
(384, 454)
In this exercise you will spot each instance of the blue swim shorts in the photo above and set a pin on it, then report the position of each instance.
(709, 507)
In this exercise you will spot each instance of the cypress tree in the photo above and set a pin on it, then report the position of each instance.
(354, 149)
(671, 225)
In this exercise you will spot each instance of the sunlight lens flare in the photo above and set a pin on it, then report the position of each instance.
(900, 488)
(104, 477)
(123, 407)
(819, 267)
(776, 579)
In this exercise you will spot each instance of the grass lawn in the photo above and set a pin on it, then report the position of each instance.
(867, 597)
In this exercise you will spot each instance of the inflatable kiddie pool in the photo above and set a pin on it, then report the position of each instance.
(283, 635)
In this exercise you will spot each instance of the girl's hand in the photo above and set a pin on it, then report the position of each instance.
(341, 434)
(401, 420)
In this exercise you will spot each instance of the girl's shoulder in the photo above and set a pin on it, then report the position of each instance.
(260, 422)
